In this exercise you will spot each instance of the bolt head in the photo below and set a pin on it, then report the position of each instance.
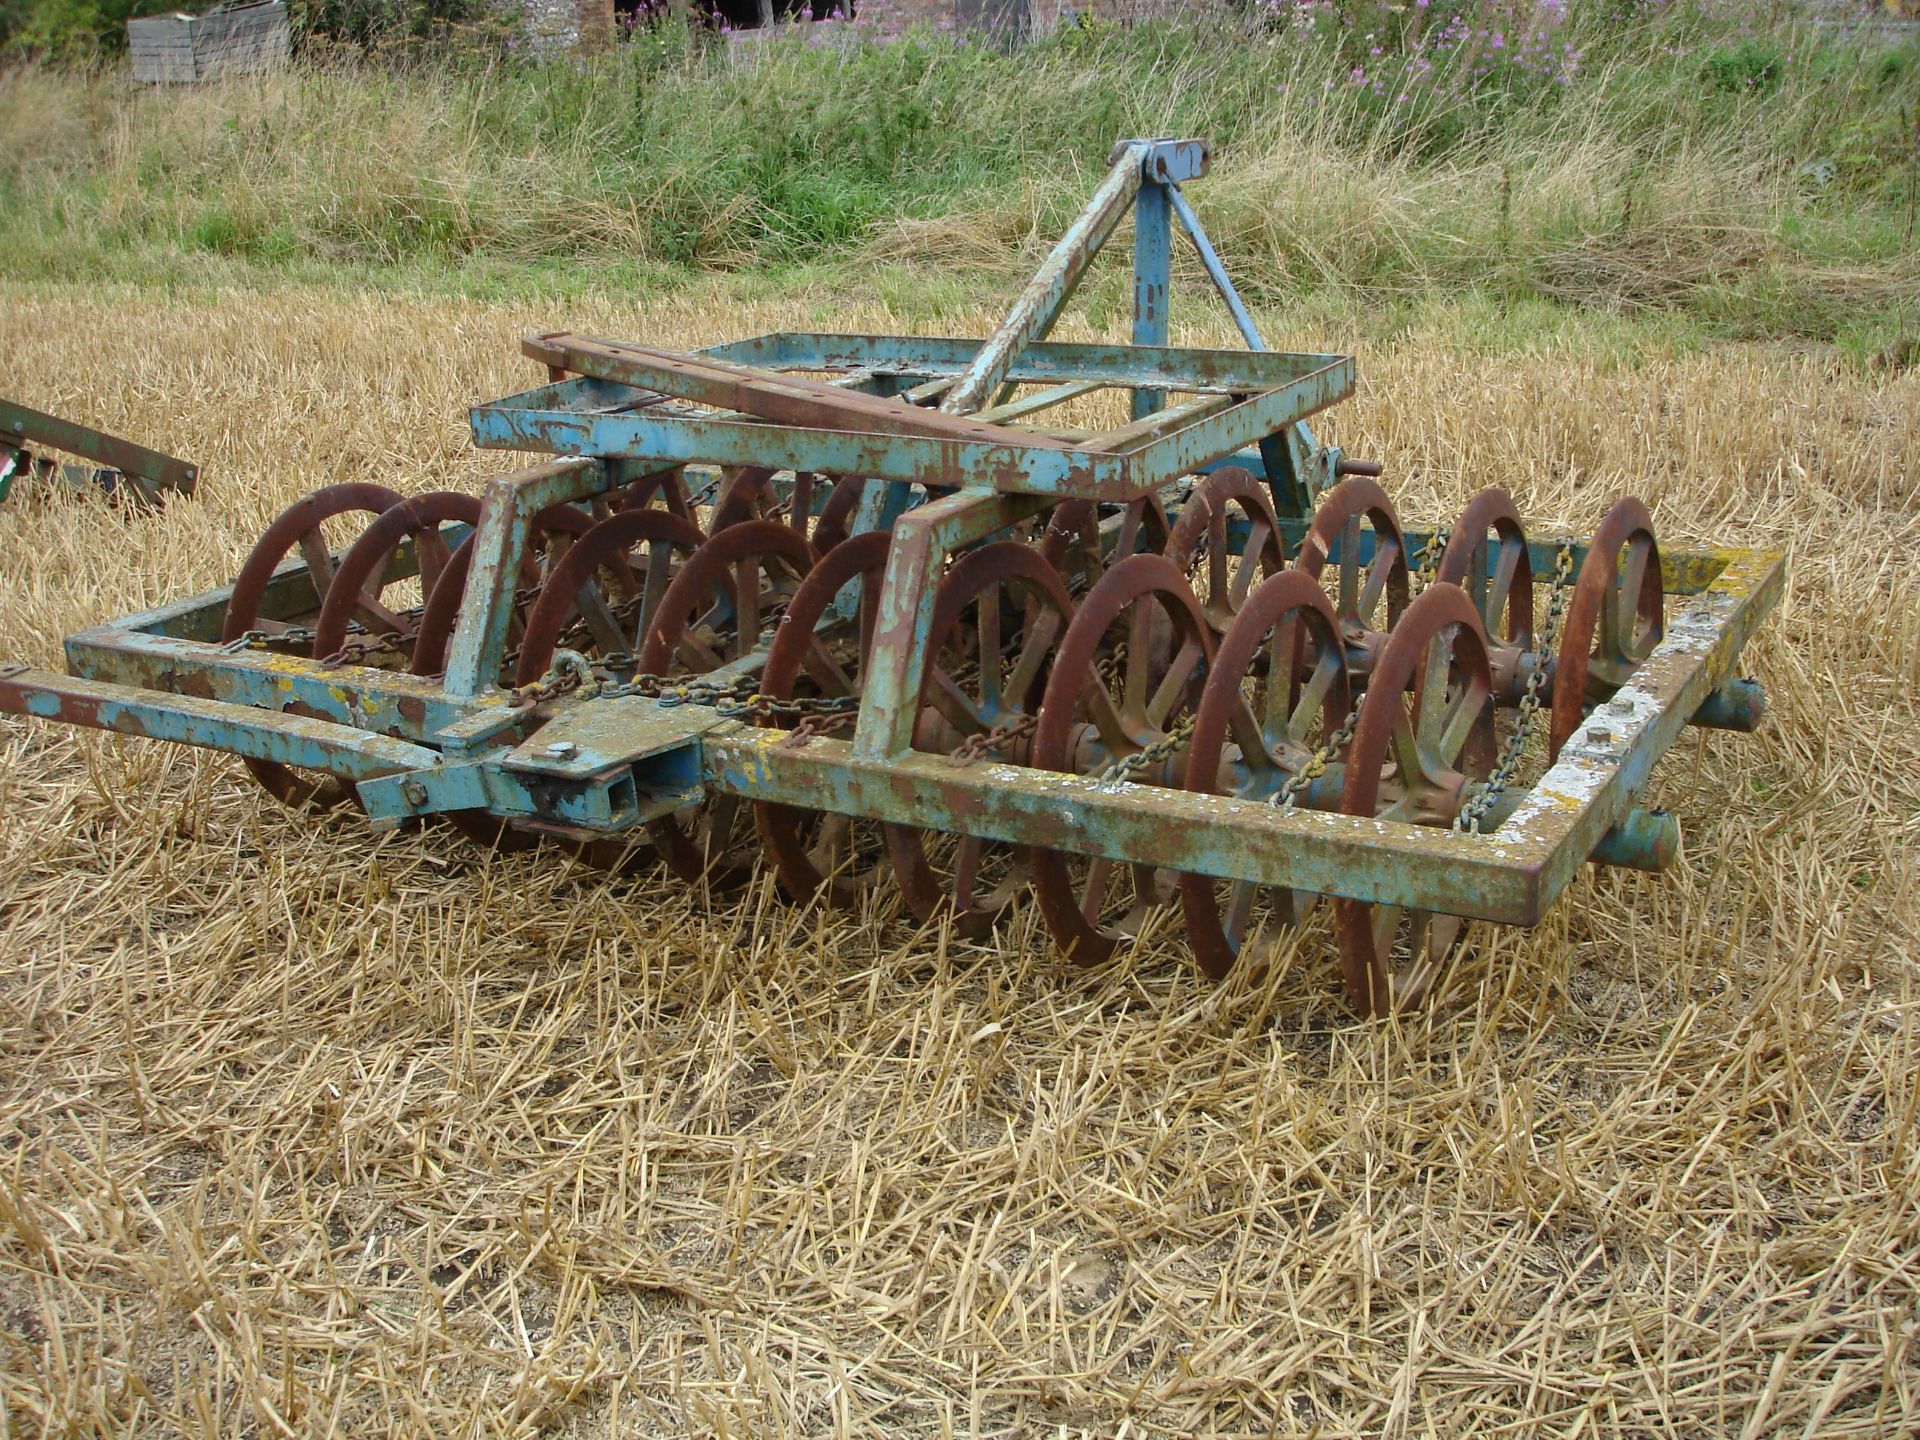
(562, 750)
(414, 792)
(1620, 707)
(1599, 735)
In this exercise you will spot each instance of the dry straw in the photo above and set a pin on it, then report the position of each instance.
(304, 1131)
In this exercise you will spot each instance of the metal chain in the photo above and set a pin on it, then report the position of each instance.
(266, 639)
(1000, 737)
(568, 672)
(1317, 763)
(765, 707)
(1108, 665)
(387, 642)
(670, 691)
(1148, 756)
(736, 698)
(813, 727)
(1429, 558)
(1487, 794)
(302, 636)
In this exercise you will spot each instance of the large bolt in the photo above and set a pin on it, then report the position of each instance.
(414, 792)
(562, 750)
(1599, 735)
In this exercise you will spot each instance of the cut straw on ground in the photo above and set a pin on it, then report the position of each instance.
(305, 1131)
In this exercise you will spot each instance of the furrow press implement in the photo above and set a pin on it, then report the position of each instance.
(1103, 624)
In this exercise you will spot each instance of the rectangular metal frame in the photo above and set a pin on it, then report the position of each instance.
(417, 745)
(1269, 392)
(588, 764)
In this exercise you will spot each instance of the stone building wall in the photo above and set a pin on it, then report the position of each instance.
(565, 24)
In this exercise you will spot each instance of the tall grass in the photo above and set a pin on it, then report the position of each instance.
(1760, 171)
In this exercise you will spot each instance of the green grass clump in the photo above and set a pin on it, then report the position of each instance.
(1758, 175)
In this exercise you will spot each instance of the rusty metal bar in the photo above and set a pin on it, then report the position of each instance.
(499, 542)
(284, 737)
(1039, 304)
(922, 540)
(768, 395)
(152, 471)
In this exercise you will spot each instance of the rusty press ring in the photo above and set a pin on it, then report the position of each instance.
(1147, 713)
(1620, 596)
(1319, 701)
(298, 528)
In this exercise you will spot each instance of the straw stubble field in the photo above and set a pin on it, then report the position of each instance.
(309, 1130)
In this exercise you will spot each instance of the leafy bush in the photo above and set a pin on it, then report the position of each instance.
(1750, 63)
(72, 29)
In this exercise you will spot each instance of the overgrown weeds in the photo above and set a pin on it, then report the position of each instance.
(1693, 159)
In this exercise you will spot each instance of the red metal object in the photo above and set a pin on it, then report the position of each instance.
(1075, 544)
(817, 851)
(365, 570)
(1427, 721)
(786, 399)
(600, 565)
(980, 681)
(1095, 723)
(1614, 620)
(712, 615)
(553, 529)
(297, 529)
(1497, 575)
(1275, 696)
(1200, 536)
(1365, 580)
(669, 487)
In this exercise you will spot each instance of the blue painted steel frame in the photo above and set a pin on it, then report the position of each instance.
(1273, 392)
(419, 746)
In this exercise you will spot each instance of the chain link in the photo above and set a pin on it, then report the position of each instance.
(568, 672)
(267, 639)
(1165, 748)
(300, 636)
(1487, 794)
(736, 698)
(765, 707)
(1000, 737)
(814, 726)
(1317, 763)
(1429, 558)
(387, 642)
